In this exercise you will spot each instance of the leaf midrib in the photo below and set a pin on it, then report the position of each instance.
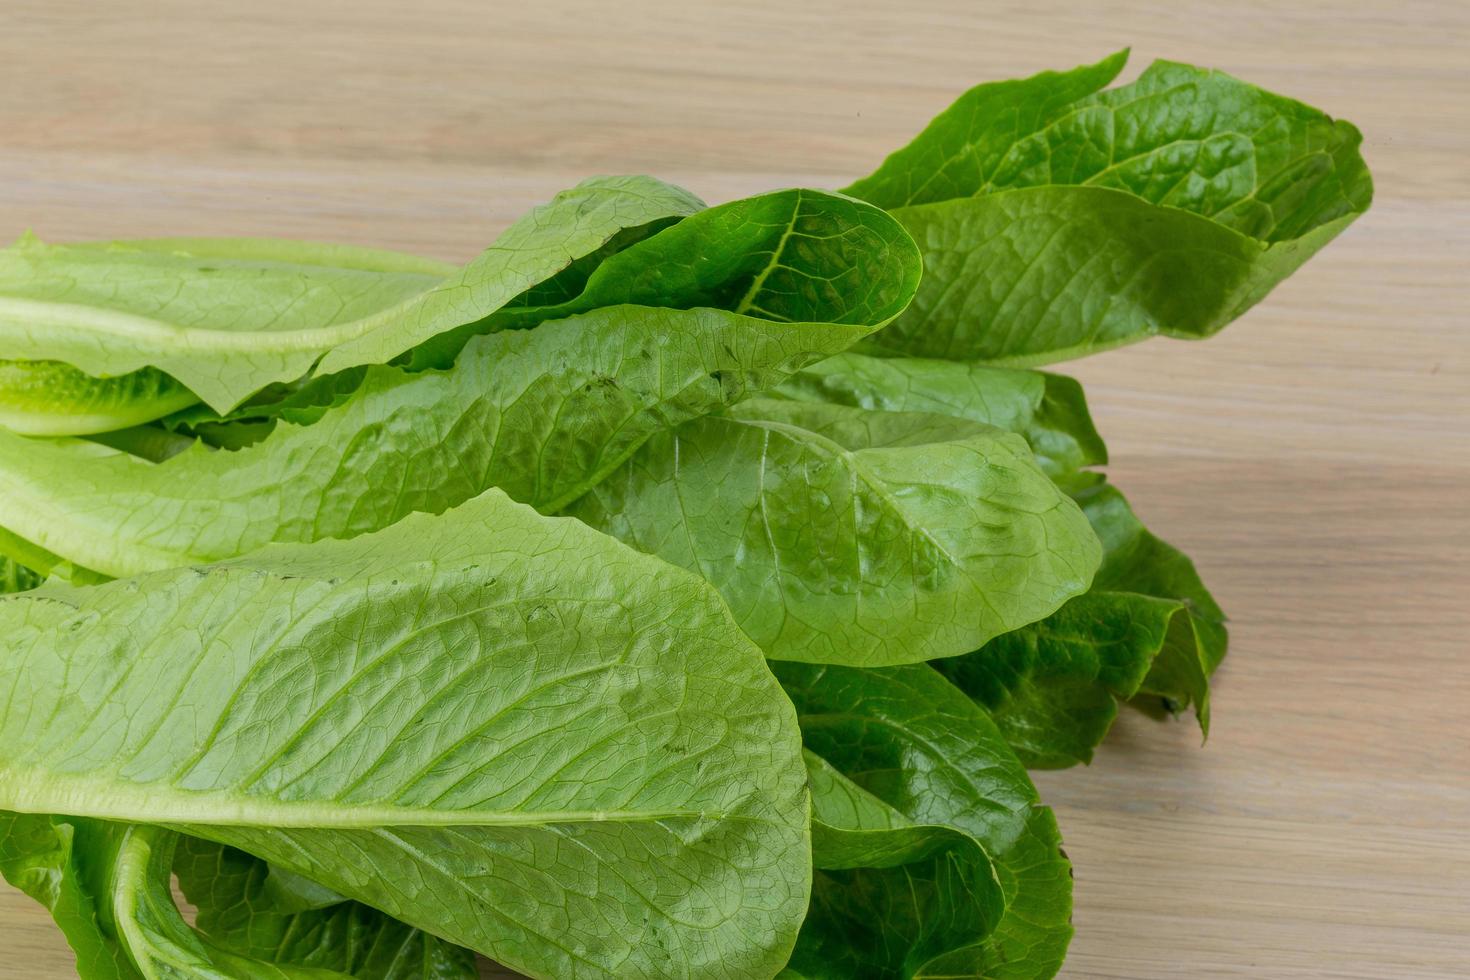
(19, 318)
(26, 791)
(759, 281)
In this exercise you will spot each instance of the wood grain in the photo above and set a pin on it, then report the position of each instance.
(1314, 459)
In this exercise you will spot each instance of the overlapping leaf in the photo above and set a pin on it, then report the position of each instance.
(92, 328)
(112, 902)
(49, 398)
(130, 866)
(1048, 410)
(1146, 627)
(844, 535)
(1057, 219)
(915, 893)
(226, 318)
(1053, 687)
(506, 729)
(911, 746)
(543, 414)
(794, 256)
(15, 577)
(64, 863)
(1136, 561)
(159, 941)
(249, 908)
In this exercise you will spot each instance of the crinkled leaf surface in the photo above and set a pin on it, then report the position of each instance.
(844, 535)
(792, 256)
(1057, 219)
(226, 319)
(1147, 628)
(543, 413)
(265, 913)
(961, 147)
(915, 894)
(1052, 685)
(1049, 410)
(508, 729)
(1043, 274)
(1137, 561)
(912, 741)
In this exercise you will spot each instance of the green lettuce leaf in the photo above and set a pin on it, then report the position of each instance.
(226, 318)
(107, 885)
(15, 577)
(30, 563)
(506, 729)
(1053, 687)
(544, 414)
(1148, 628)
(49, 398)
(160, 943)
(911, 741)
(1048, 410)
(1137, 561)
(892, 898)
(955, 154)
(146, 327)
(1058, 219)
(789, 256)
(794, 256)
(843, 535)
(151, 442)
(249, 908)
(64, 863)
(302, 402)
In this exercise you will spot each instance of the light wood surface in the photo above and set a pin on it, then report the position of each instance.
(1314, 459)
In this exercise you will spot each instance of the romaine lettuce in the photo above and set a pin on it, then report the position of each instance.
(375, 712)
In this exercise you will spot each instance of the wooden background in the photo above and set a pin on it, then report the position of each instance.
(1314, 459)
